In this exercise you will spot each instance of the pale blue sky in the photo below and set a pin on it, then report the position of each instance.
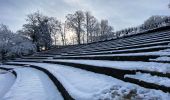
(120, 13)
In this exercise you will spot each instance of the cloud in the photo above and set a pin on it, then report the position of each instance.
(120, 13)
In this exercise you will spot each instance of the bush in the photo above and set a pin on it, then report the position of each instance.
(14, 45)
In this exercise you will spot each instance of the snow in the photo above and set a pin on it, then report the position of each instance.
(10, 66)
(6, 81)
(2, 71)
(124, 65)
(166, 50)
(151, 79)
(85, 85)
(34, 57)
(32, 84)
(161, 59)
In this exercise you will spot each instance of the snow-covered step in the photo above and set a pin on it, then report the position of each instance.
(32, 84)
(10, 66)
(29, 60)
(7, 79)
(127, 65)
(2, 71)
(40, 55)
(134, 42)
(160, 69)
(85, 85)
(112, 57)
(144, 49)
(164, 59)
(31, 57)
(151, 79)
(120, 45)
(126, 41)
(144, 56)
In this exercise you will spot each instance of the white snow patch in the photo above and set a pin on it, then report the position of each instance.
(32, 84)
(151, 79)
(10, 66)
(6, 81)
(161, 59)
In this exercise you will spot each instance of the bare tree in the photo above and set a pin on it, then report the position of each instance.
(105, 29)
(87, 16)
(38, 30)
(92, 27)
(63, 33)
(55, 29)
(75, 21)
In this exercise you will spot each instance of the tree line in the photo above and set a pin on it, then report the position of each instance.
(151, 23)
(44, 30)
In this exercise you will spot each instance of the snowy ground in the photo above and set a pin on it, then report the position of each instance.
(2, 71)
(32, 84)
(6, 81)
(151, 79)
(126, 65)
(10, 66)
(164, 58)
(85, 85)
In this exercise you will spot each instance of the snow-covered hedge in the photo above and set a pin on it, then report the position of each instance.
(14, 45)
(24, 48)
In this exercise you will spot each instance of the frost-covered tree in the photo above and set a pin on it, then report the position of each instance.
(21, 46)
(12, 45)
(153, 20)
(5, 40)
(75, 21)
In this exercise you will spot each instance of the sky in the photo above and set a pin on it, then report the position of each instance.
(120, 13)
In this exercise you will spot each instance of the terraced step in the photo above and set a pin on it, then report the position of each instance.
(163, 59)
(32, 57)
(87, 85)
(158, 82)
(36, 86)
(118, 45)
(112, 57)
(119, 72)
(136, 50)
(142, 56)
(162, 81)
